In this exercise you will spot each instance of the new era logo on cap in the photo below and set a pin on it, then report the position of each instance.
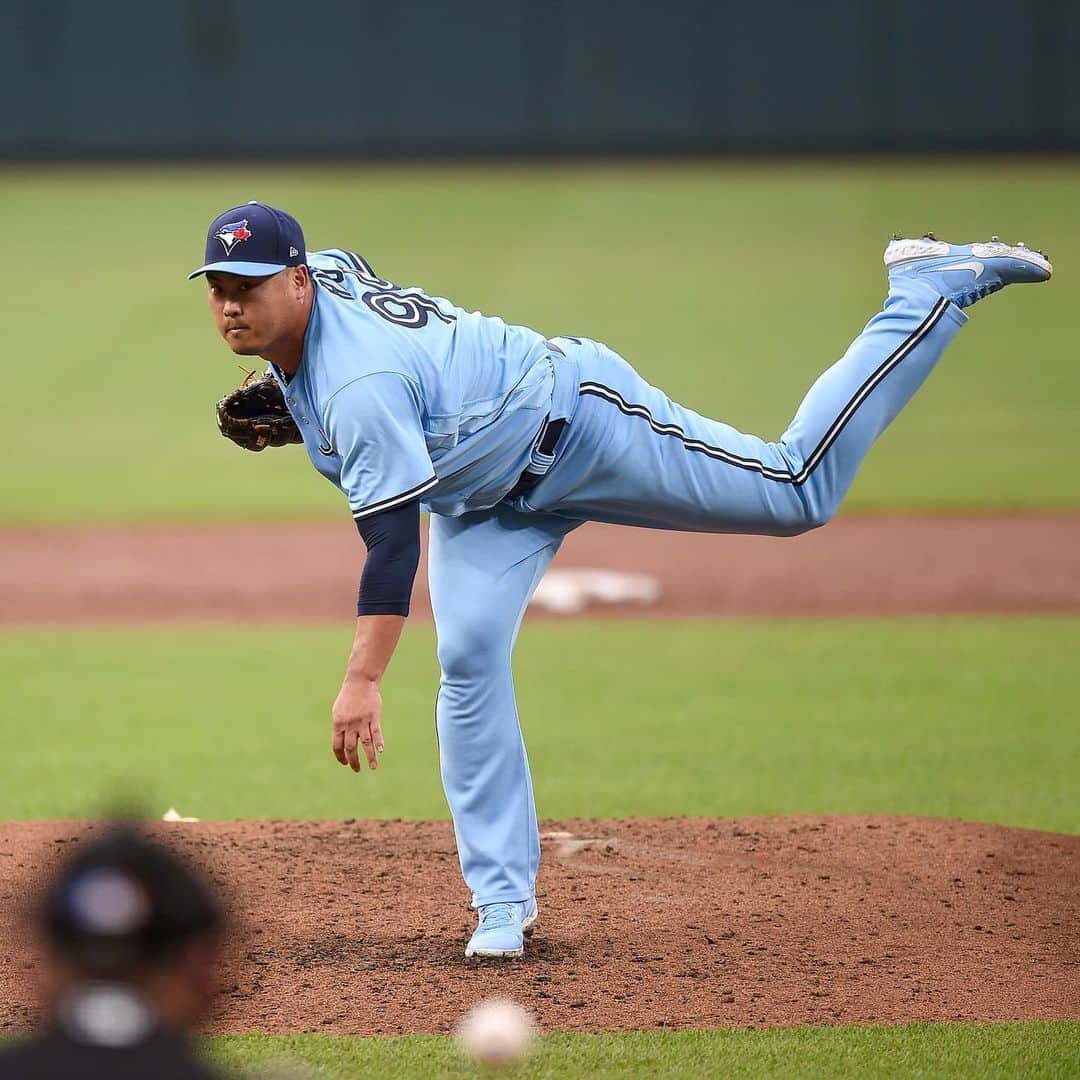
(255, 240)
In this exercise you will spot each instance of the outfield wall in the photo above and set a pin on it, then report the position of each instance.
(352, 77)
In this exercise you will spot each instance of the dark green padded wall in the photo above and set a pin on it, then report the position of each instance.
(133, 77)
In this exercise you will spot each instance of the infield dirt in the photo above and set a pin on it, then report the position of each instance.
(290, 573)
(358, 927)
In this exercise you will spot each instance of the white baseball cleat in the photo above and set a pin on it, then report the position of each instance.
(965, 273)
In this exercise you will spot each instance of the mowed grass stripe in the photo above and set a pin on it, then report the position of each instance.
(942, 1051)
(730, 285)
(947, 717)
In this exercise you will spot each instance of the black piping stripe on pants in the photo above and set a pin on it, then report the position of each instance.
(781, 476)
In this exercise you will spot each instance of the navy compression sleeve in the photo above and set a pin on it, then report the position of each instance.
(392, 539)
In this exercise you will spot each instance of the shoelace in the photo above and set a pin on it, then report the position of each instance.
(977, 293)
(497, 915)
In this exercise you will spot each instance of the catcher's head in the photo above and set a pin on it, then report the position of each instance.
(259, 288)
(123, 911)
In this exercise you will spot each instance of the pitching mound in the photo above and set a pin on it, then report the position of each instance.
(359, 927)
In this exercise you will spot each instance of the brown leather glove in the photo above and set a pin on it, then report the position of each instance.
(255, 415)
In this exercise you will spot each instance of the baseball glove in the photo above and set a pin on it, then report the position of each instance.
(255, 415)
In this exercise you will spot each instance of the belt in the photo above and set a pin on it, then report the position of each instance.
(564, 398)
(549, 438)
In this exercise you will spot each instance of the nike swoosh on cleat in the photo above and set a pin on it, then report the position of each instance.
(974, 266)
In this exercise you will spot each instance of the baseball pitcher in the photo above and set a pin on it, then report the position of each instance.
(510, 440)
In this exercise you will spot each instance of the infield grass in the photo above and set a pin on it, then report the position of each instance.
(730, 284)
(940, 1051)
(945, 717)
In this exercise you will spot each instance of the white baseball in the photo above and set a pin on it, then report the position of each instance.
(496, 1032)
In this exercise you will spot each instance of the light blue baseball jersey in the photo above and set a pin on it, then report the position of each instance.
(400, 395)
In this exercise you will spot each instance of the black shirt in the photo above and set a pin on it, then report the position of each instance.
(103, 1032)
(54, 1055)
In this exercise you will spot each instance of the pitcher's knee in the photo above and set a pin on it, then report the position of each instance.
(474, 650)
(805, 517)
(817, 516)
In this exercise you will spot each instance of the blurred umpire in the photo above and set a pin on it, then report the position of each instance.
(132, 938)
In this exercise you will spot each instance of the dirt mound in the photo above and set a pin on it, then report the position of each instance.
(359, 927)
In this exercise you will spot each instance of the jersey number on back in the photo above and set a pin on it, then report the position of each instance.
(403, 308)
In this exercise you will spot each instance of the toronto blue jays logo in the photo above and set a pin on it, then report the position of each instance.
(232, 234)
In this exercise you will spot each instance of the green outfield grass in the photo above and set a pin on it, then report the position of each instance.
(729, 284)
(955, 718)
(936, 1051)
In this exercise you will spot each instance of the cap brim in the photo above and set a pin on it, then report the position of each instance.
(241, 268)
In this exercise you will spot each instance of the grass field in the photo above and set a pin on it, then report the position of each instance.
(938, 1051)
(729, 284)
(952, 718)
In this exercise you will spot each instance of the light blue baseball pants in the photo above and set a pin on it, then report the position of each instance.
(630, 455)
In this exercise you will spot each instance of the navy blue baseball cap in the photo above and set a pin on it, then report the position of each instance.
(255, 240)
(122, 898)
